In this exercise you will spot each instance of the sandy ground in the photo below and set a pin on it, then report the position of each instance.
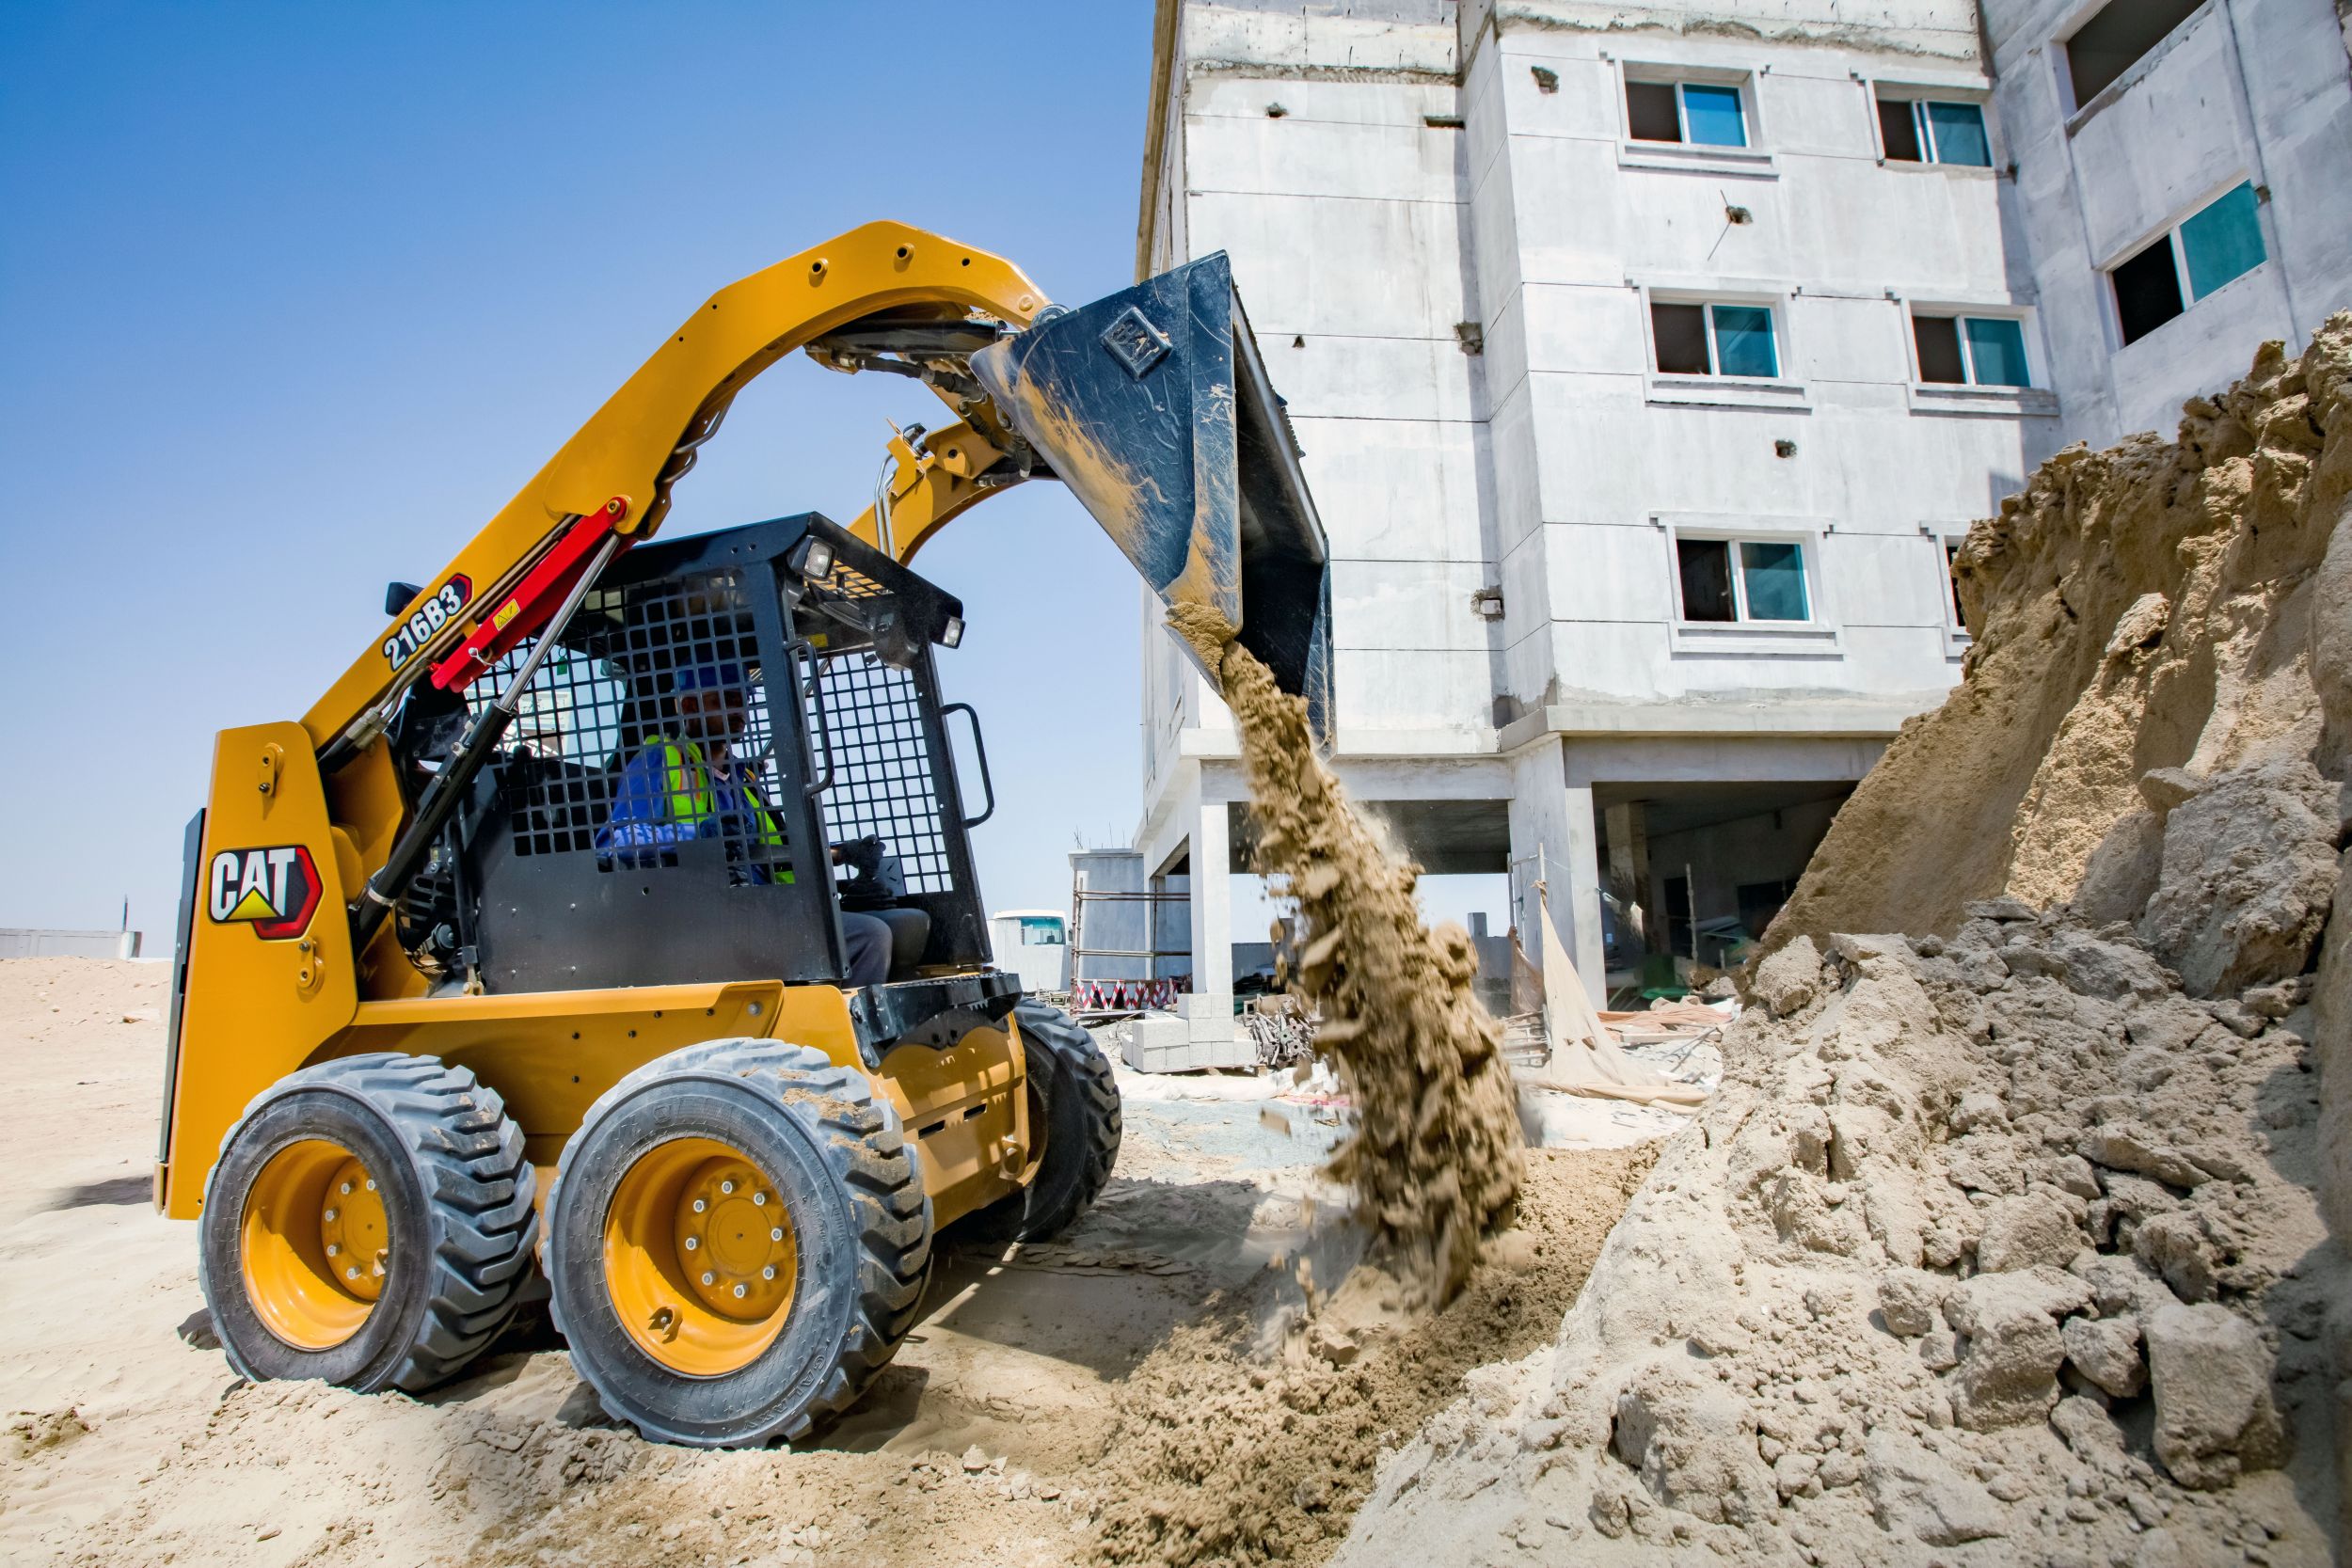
(1046, 1411)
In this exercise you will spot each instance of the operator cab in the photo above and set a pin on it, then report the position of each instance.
(722, 713)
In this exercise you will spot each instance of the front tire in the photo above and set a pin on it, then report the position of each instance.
(1074, 1105)
(369, 1222)
(737, 1240)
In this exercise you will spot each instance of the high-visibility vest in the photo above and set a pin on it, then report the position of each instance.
(687, 798)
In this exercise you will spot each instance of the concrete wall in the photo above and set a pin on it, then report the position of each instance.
(1599, 459)
(28, 944)
(2244, 90)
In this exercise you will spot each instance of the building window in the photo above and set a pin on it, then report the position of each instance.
(2116, 39)
(1768, 584)
(1715, 340)
(2221, 241)
(1951, 583)
(1918, 131)
(1971, 350)
(1706, 114)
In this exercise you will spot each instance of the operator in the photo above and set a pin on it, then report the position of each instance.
(693, 786)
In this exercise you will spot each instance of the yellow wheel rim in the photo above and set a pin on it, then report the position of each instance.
(699, 1257)
(316, 1244)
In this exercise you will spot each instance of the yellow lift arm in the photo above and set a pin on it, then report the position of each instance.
(617, 470)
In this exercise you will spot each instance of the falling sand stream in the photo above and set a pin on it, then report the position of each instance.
(1436, 1157)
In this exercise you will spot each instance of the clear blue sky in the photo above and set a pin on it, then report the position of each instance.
(292, 298)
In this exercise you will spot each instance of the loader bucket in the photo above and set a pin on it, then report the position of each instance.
(1153, 407)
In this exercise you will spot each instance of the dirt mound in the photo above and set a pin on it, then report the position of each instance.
(2006, 1241)
(1435, 1155)
(1993, 1248)
(2150, 610)
(1254, 1438)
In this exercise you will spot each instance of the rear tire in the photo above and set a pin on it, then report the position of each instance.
(439, 1194)
(773, 1337)
(1074, 1105)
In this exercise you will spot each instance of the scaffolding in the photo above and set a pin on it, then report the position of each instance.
(1096, 999)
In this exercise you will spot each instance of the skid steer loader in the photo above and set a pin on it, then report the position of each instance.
(521, 954)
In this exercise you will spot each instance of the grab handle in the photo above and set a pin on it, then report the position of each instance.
(817, 783)
(979, 749)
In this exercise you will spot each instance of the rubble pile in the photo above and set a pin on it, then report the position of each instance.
(2007, 1239)
(1997, 1248)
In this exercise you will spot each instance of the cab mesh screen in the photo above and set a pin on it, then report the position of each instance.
(883, 778)
(645, 728)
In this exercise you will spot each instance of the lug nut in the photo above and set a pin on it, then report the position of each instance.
(777, 1234)
(693, 1242)
(370, 1183)
(710, 1278)
(332, 1212)
(726, 1186)
(351, 1273)
(346, 1187)
(332, 1249)
(756, 1198)
(700, 1206)
(738, 1292)
(767, 1272)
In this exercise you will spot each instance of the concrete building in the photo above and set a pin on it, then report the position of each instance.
(2185, 172)
(1649, 359)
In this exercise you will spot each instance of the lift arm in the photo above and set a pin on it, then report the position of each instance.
(616, 472)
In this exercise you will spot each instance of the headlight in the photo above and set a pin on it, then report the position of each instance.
(814, 560)
(953, 633)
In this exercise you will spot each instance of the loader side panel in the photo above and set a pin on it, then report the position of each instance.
(551, 1054)
(268, 969)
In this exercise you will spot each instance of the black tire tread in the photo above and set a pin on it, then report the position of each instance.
(877, 1166)
(1069, 1181)
(478, 1186)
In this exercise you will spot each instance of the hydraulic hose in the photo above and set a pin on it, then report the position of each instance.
(383, 891)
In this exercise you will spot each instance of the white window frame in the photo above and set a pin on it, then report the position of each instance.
(1754, 161)
(1683, 111)
(1784, 390)
(1771, 316)
(1943, 397)
(2171, 233)
(1919, 93)
(1821, 635)
(1961, 313)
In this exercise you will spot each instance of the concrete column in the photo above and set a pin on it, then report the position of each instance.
(1628, 863)
(1578, 892)
(1553, 837)
(1212, 903)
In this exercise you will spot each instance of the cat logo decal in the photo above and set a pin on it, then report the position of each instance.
(274, 890)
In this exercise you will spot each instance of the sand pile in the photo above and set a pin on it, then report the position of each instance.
(1435, 1154)
(1254, 1434)
(2141, 704)
(2004, 1241)
(1991, 1249)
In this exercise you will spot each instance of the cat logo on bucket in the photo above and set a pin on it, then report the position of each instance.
(274, 890)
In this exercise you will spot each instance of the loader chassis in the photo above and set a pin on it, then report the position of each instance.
(521, 956)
